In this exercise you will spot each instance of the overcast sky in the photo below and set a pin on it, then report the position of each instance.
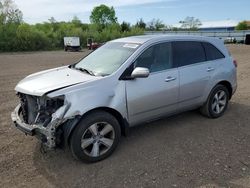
(169, 11)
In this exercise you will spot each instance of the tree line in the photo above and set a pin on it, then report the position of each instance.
(16, 35)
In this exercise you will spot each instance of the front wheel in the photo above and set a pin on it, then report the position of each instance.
(95, 137)
(216, 103)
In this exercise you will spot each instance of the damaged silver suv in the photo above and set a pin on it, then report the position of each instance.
(90, 104)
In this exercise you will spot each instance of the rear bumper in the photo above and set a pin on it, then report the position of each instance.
(234, 88)
(46, 134)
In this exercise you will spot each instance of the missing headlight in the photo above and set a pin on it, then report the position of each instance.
(39, 110)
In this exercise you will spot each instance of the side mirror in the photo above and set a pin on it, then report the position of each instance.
(140, 72)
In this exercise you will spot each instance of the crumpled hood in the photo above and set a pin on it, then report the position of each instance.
(42, 82)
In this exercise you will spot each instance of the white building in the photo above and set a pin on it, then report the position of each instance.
(222, 25)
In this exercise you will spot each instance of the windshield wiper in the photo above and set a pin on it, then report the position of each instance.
(85, 70)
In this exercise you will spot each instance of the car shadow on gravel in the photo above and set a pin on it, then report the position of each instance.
(184, 150)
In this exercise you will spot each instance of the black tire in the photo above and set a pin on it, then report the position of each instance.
(208, 109)
(84, 128)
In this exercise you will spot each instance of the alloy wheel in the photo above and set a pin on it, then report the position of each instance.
(97, 139)
(219, 101)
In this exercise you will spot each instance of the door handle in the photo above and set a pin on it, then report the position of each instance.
(170, 78)
(209, 69)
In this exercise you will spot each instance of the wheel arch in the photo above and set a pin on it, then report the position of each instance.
(228, 85)
(122, 121)
(68, 129)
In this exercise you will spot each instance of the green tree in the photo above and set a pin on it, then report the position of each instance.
(76, 21)
(9, 13)
(54, 24)
(103, 15)
(2, 16)
(242, 26)
(15, 35)
(8, 37)
(190, 23)
(28, 38)
(141, 24)
(155, 24)
(52, 20)
(110, 32)
(134, 31)
(84, 26)
(125, 26)
(10, 18)
(159, 24)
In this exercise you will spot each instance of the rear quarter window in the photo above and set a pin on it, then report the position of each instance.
(188, 52)
(212, 53)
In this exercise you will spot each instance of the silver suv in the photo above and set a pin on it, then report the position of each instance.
(126, 82)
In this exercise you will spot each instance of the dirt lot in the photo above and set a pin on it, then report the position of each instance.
(187, 150)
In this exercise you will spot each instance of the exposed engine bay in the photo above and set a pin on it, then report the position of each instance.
(40, 116)
(38, 110)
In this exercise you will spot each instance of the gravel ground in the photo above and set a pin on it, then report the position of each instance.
(187, 150)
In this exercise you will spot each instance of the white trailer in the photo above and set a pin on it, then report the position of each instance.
(71, 43)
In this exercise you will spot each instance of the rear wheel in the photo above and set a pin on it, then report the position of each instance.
(95, 137)
(217, 102)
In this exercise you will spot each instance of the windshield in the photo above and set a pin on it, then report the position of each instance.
(107, 59)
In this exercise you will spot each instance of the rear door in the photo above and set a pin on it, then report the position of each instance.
(157, 95)
(194, 72)
(214, 56)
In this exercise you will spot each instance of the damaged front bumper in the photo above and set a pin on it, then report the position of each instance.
(46, 134)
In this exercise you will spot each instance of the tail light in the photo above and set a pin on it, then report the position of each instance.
(235, 63)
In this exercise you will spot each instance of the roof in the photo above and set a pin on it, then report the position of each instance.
(145, 38)
(135, 39)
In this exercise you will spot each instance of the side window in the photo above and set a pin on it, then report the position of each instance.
(187, 53)
(212, 52)
(156, 58)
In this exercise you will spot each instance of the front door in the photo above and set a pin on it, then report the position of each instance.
(152, 97)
